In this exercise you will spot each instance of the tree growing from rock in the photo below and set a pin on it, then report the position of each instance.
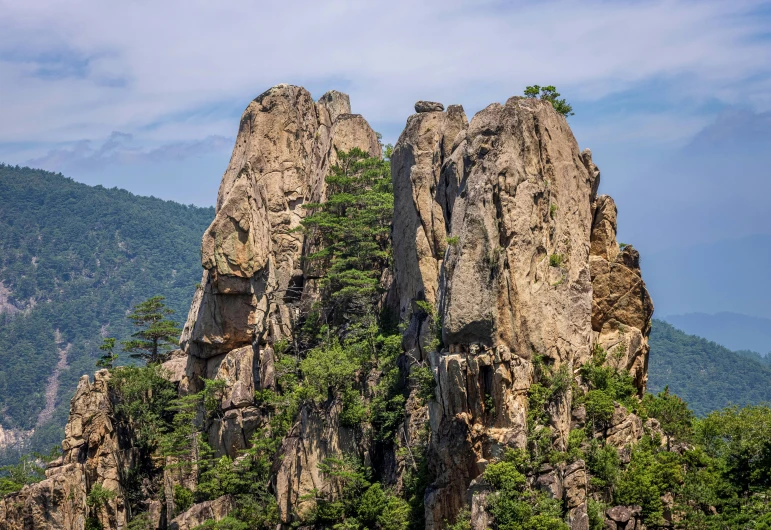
(109, 357)
(156, 332)
(353, 229)
(550, 94)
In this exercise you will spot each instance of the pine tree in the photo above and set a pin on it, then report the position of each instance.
(550, 94)
(156, 331)
(352, 231)
(109, 357)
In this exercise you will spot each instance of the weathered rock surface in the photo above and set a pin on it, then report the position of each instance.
(252, 251)
(255, 281)
(428, 106)
(624, 518)
(508, 192)
(197, 514)
(498, 226)
(621, 306)
(499, 239)
(316, 436)
(90, 455)
(425, 185)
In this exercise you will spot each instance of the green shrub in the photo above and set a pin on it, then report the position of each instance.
(144, 402)
(555, 260)
(140, 521)
(599, 408)
(354, 410)
(596, 512)
(99, 496)
(672, 412)
(183, 498)
(328, 367)
(515, 507)
(424, 382)
(603, 463)
(462, 521)
(550, 94)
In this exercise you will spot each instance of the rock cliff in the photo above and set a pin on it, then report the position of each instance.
(498, 224)
(505, 266)
(92, 456)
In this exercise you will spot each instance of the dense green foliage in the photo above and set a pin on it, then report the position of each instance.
(75, 259)
(514, 506)
(352, 229)
(706, 375)
(550, 94)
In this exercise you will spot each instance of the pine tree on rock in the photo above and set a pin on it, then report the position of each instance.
(151, 343)
(352, 229)
(109, 357)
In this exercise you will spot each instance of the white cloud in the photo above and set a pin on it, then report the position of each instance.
(118, 149)
(142, 62)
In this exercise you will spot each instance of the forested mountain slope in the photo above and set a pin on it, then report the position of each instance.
(73, 261)
(708, 376)
(733, 330)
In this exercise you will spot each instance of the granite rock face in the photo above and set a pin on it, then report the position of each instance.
(91, 455)
(252, 251)
(497, 225)
(621, 306)
(501, 247)
(256, 284)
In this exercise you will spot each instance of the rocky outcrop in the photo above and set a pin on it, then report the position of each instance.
(493, 226)
(91, 455)
(425, 185)
(624, 517)
(502, 252)
(621, 306)
(198, 514)
(256, 282)
(498, 226)
(252, 251)
(316, 436)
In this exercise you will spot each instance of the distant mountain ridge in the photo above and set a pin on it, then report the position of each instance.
(73, 260)
(707, 375)
(733, 330)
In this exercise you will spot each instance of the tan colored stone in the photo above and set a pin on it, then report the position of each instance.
(252, 251)
(198, 514)
(621, 306)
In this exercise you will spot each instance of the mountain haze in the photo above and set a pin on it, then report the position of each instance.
(732, 330)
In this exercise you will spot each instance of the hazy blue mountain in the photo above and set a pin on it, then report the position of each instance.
(708, 376)
(728, 276)
(732, 330)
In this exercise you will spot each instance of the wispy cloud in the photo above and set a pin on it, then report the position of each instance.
(118, 149)
(124, 65)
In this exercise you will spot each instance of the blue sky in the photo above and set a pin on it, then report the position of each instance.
(672, 96)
